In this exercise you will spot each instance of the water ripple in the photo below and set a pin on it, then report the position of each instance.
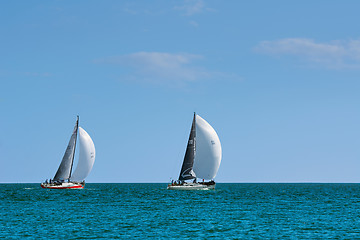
(141, 211)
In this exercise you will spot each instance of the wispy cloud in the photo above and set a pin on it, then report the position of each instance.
(191, 7)
(193, 23)
(130, 11)
(159, 67)
(334, 54)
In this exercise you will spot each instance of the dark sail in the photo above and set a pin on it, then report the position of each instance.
(64, 170)
(187, 166)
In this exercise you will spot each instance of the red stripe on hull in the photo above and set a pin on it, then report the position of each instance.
(72, 187)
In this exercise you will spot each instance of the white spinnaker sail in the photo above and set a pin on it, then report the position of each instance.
(86, 156)
(208, 150)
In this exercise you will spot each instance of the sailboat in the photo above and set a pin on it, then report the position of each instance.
(202, 158)
(63, 178)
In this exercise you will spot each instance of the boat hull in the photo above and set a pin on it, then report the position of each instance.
(191, 186)
(67, 185)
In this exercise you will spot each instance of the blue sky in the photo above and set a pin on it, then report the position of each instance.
(278, 80)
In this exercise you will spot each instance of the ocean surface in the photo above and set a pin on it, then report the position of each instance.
(149, 211)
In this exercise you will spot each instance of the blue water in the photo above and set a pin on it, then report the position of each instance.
(149, 211)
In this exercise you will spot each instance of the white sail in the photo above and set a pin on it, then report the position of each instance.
(208, 150)
(86, 156)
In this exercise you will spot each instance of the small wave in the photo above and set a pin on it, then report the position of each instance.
(27, 188)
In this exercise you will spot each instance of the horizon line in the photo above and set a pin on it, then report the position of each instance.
(216, 182)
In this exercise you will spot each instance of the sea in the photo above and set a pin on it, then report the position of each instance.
(150, 211)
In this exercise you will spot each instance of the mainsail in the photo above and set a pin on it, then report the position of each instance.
(86, 156)
(64, 170)
(208, 150)
(187, 166)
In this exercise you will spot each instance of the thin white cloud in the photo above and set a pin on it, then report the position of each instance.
(159, 67)
(191, 7)
(130, 11)
(194, 24)
(335, 54)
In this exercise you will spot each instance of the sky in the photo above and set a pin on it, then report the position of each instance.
(278, 81)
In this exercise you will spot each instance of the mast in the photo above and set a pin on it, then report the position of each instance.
(194, 135)
(73, 155)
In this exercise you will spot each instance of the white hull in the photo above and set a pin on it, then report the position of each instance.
(191, 186)
(64, 185)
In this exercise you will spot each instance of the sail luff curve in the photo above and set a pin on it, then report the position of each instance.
(86, 156)
(208, 150)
